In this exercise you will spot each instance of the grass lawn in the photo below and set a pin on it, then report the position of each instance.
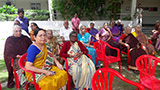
(117, 83)
(3, 71)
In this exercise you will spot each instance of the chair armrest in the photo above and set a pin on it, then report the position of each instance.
(118, 51)
(89, 56)
(127, 49)
(131, 82)
(32, 73)
(150, 42)
(66, 61)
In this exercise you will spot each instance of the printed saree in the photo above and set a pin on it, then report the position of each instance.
(85, 39)
(143, 39)
(45, 61)
(81, 69)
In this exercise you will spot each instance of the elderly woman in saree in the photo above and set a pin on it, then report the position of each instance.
(81, 68)
(15, 46)
(52, 41)
(106, 35)
(156, 33)
(133, 45)
(143, 39)
(115, 31)
(93, 31)
(85, 38)
(41, 61)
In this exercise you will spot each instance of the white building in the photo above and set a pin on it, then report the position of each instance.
(28, 4)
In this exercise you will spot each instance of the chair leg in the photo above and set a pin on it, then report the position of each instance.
(36, 86)
(15, 75)
(69, 83)
(106, 64)
(0, 86)
(16, 80)
(27, 85)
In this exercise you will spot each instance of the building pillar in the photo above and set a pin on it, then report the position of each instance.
(133, 7)
(50, 9)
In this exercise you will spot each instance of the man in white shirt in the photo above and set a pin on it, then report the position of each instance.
(65, 31)
(139, 14)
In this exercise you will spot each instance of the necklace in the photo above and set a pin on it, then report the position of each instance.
(39, 46)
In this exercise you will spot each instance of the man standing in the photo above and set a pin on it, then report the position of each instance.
(75, 23)
(65, 31)
(23, 20)
(139, 14)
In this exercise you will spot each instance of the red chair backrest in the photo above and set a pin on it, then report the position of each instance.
(100, 49)
(100, 46)
(102, 76)
(22, 61)
(147, 64)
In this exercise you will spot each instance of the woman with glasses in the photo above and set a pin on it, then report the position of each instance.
(34, 26)
(81, 68)
(49, 73)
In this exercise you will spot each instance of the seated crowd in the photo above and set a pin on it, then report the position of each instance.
(44, 52)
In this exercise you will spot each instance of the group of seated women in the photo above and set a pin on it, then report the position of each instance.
(50, 74)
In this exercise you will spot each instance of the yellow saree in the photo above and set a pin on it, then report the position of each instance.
(54, 82)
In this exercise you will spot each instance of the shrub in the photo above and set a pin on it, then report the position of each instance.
(8, 9)
(8, 13)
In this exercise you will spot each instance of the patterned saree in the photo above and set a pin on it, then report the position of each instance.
(81, 69)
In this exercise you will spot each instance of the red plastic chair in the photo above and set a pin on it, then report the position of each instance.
(69, 76)
(146, 65)
(22, 61)
(101, 83)
(101, 56)
(15, 75)
(0, 86)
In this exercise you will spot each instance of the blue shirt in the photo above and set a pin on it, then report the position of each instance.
(32, 52)
(85, 38)
(24, 23)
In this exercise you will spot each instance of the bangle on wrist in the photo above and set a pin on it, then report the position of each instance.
(126, 44)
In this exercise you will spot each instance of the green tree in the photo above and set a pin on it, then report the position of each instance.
(84, 8)
(113, 9)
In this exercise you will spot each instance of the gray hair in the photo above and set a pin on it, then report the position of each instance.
(49, 30)
(16, 26)
(82, 26)
(127, 27)
(104, 23)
